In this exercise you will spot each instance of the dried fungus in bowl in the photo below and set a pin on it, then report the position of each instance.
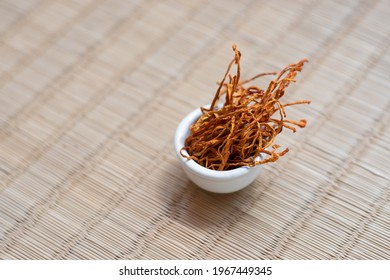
(235, 134)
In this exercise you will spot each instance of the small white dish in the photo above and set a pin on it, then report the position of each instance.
(211, 180)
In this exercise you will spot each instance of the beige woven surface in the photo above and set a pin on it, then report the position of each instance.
(91, 93)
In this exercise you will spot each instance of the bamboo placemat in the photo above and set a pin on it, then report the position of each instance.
(91, 93)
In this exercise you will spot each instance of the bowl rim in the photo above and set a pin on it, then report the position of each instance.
(181, 134)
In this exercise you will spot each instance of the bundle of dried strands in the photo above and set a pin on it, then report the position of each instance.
(247, 124)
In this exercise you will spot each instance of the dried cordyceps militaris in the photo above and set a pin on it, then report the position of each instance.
(247, 123)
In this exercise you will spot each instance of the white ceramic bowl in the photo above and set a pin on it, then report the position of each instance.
(211, 180)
